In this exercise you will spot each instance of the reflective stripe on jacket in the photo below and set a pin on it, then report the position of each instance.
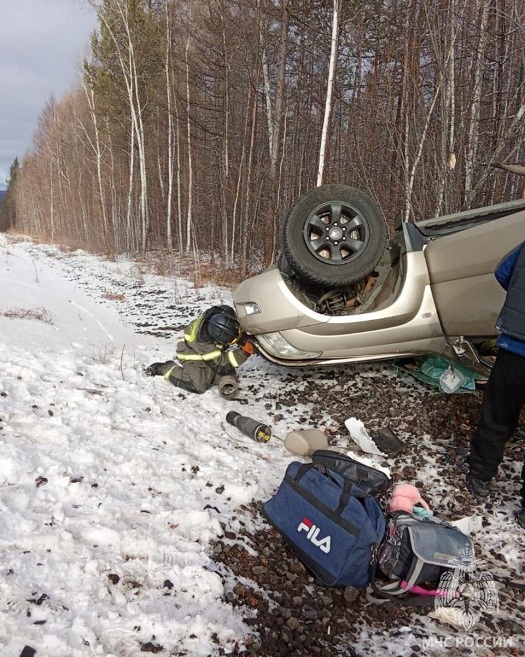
(191, 348)
(212, 355)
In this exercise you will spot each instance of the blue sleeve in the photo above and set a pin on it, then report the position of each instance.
(505, 267)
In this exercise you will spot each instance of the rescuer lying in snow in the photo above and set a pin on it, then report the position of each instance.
(212, 348)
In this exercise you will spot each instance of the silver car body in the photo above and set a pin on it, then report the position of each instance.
(439, 294)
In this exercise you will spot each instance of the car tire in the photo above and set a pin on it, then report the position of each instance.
(334, 236)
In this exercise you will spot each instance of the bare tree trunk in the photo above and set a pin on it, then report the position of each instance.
(51, 201)
(447, 138)
(190, 163)
(408, 102)
(225, 186)
(399, 159)
(268, 100)
(475, 107)
(329, 91)
(115, 223)
(169, 109)
(279, 97)
(136, 112)
(90, 97)
(419, 152)
(179, 181)
(237, 198)
(275, 225)
(249, 216)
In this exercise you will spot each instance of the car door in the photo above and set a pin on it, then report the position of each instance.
(461, 269)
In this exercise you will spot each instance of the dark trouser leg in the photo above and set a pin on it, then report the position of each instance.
(502, 401)
(523, 486)
(185, 385)
(192, 376)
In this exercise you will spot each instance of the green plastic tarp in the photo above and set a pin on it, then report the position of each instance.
(429, 369)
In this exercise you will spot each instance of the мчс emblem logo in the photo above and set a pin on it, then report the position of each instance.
(312, 533)
(463, 596)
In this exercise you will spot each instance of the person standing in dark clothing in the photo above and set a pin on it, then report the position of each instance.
(504, 394)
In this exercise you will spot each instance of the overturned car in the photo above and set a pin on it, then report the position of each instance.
(344, 291)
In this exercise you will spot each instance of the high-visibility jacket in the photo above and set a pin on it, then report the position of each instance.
(195, 347)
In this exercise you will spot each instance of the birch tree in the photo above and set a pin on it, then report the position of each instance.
(94, 140)
(189, 147)
(168, 68)
(475, 107)
(329, 90)
(129, 35)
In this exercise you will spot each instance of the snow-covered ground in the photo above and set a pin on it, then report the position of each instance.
(114, 485)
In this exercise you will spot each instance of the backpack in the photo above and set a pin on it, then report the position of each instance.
(414, 555)
(331, 524)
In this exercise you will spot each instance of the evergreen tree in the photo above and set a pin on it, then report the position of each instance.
(8, 206)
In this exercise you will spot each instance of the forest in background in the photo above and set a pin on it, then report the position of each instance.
(197, 124)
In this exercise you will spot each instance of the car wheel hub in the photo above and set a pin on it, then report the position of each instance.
(335, 233)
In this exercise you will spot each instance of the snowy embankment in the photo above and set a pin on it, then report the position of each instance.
(112, 484)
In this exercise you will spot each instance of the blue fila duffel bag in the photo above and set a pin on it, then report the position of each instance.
(331, 524)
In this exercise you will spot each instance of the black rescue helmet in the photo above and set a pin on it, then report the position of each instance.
(222, 325)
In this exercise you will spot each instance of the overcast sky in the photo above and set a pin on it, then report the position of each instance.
(42, 43)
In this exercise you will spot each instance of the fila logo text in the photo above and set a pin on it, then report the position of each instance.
(312, 534)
